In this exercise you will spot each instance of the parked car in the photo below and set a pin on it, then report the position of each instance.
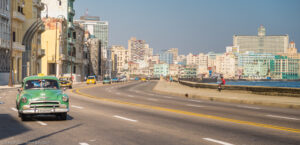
(106, 80)
(143, 79)
(123, 79)
(65, 82)
(41, 95)
(91, 80)
(115, 80)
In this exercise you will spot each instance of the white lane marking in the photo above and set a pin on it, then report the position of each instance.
(83, 143)
(249, 107)
(118, 93)
(14, 109)
(151, 99)
(41, 123)
(194, 105)
(130, 96)
(124, 118)
(283, 117)
(195, 101)
(217, 141)
(79, 107)
(167, 97)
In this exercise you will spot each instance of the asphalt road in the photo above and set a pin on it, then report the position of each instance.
(132, 114)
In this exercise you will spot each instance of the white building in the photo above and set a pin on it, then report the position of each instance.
(261, 43)
(122, 57)
(227, 65)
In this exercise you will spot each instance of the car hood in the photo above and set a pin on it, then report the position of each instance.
(42, 94)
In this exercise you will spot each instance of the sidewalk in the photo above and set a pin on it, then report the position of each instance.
(8, 87)
(241, 97)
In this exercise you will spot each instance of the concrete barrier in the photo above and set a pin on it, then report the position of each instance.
(273, 91)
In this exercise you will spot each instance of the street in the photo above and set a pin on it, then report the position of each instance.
(132, 114)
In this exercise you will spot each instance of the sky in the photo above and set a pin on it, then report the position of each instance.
(192, 26)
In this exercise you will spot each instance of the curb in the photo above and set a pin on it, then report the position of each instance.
(229, 100)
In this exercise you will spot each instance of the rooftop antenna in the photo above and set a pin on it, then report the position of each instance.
(86, 12)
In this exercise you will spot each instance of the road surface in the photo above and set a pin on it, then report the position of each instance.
(132, 114)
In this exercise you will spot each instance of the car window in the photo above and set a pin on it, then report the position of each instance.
(91, 77)
(38, 84)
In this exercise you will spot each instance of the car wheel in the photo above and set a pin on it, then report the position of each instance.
(70, 87)
(63, 116)
(24, 117)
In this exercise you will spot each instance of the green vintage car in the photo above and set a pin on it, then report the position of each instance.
(42, 95)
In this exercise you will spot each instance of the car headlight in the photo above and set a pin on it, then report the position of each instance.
(65, 98)
(24, 99)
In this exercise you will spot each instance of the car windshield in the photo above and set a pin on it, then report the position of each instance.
(39, 84)
(91, 77)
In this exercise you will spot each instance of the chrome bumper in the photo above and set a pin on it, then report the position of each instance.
(44, 110)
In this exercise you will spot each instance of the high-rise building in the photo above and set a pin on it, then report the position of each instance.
(97, 28)
(262, 43)
(137, 49)
(4, 41)
(174, 51)
(166, 57)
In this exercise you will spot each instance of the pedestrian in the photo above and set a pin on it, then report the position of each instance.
(222, 83)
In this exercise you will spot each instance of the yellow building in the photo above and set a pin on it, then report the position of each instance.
(26, 31)
(18, 33)
(54, 44)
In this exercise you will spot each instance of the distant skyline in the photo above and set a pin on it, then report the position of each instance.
(193, 25)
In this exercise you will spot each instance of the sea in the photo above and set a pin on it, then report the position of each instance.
(288, 84)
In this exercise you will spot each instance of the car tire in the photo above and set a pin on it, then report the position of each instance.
(24, 117)
(70, 87)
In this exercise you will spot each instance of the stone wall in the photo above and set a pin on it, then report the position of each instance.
(274, 91)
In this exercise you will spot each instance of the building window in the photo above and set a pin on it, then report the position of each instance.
(14, 36)
(74, 35)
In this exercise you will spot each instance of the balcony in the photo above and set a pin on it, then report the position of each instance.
(41, 53)
(71, 26)
(18, 47)
(4, 43)
(19, 16)
(71, 41)
(71, 11)
(62, 57)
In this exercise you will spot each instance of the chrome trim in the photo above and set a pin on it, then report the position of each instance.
(44, 111)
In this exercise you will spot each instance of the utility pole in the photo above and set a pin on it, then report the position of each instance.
(10, 81)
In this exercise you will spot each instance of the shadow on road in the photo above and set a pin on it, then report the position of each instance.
(48, 135)
(10, 127)
(47, 118)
